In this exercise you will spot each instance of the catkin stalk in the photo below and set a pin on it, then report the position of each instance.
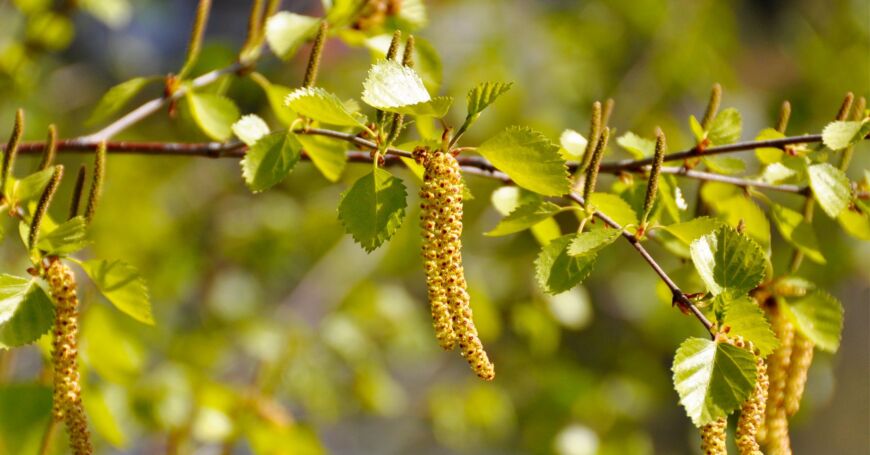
(67, 405)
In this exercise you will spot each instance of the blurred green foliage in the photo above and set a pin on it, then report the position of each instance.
(276, 332)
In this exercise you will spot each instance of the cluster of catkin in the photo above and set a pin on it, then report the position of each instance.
(788, 366)
(713, 435)
(67, 404)
(441, 223)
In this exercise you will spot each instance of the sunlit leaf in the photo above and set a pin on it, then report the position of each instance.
(558, 272)
(373, 208)
(26, 311)
(270, 160)
(529, 158)
(830, 188)
(318, 104)
(69, 237)
(769, 155)
(328, 155)
(638, 147)
(117, 97)
(797, 232)
(573, 145)
(122, 285)
(614, 207)
(728, 262)
(286, 31)
(725, 128)
(250, 128)
(393, 87)
(591, 242)
(841, 134)
(214, 114)
(819, 317)
(746, 319)
(524, 217)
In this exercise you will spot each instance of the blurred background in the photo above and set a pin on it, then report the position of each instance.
(277, 333)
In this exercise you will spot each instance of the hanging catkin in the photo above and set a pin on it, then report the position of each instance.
(67, 404)
(441, 219)
(713, 437)
(752, 410)
(799, 366)
(776, 420)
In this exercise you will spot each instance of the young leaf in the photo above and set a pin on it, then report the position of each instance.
(735, 208)
(573, 145)
(614, 207)
(122, 285)
(214, 114)
(26, 311)
(250, 128)
(67, 238)
(117, 97)
(856, 224)
(286, 31)
(797, 232)
(830, 187)
(31, 187)
(697, 129)
(841, 134)
(638, 147)
(725, 128)
(558, 272)
(393, 87)
(276, 94)
(712, 379)
(270, 159)
(819, 317)
(728, 165)
(746, 319)
(769, 155)
(524, 217)
(529, 159)
(691, 230)
(318, 104)
(728, 262)
(328, 155)
(590, 242)
(373, 208)
(480, 97)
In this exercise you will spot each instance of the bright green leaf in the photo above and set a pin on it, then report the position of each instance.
(117, 97)
(819, 317)
(276, 94)
(524, 217)
(214, 114)
(270, 160)
(614, 207)
(728, 262)
(797, 232)
(591, 242)
(746, 319)
(769, 155)
(712, 379)
(373, 208)
(328, 155)
(722, 164)
(31, 187)
(697, 129)
(558, 272)
(855, 223)
(250, 128)
(530, 160)
(69, 237)
(122, 285)
(286, 31)
(638, 147)
(841, 134)
(26, 311)
(691, 230)
(830, 187)
(323, 106)
(725, 128)
(480, 97)
(573, 145)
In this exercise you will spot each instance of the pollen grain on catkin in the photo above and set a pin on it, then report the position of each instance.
(713, 437)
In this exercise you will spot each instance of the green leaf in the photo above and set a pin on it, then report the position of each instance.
(558, 272)
(573, 145)
(318, 104)
(591, 242)
(341, 12)
(270, 160)
(725, 128)
(117, 97)
(712, 379)
(734, 206)
(769, 155)
(614, 207)
(855, 223)
(480, 97)
(830, 187)
(689, 231)
(524, 217)
(638, 147)
(26, 311)
(697, 129)
(214, 114)
(746, 319)
(67, 238)
(530, 160)
(797, 232)
(276, 94)
(286, 31)
(122, 285)
(722, 164)
(427, 63)
(31, 187)
(328, 155)
(393, 87)
(373, 208)
(728, 262)
(250, 128)
(819, 317)
(839, 135)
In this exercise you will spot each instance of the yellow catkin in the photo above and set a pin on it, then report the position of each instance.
(776, 421)
(443, 183)
(67, 404)
(799, 366)
(752, 410)
(713, 437)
